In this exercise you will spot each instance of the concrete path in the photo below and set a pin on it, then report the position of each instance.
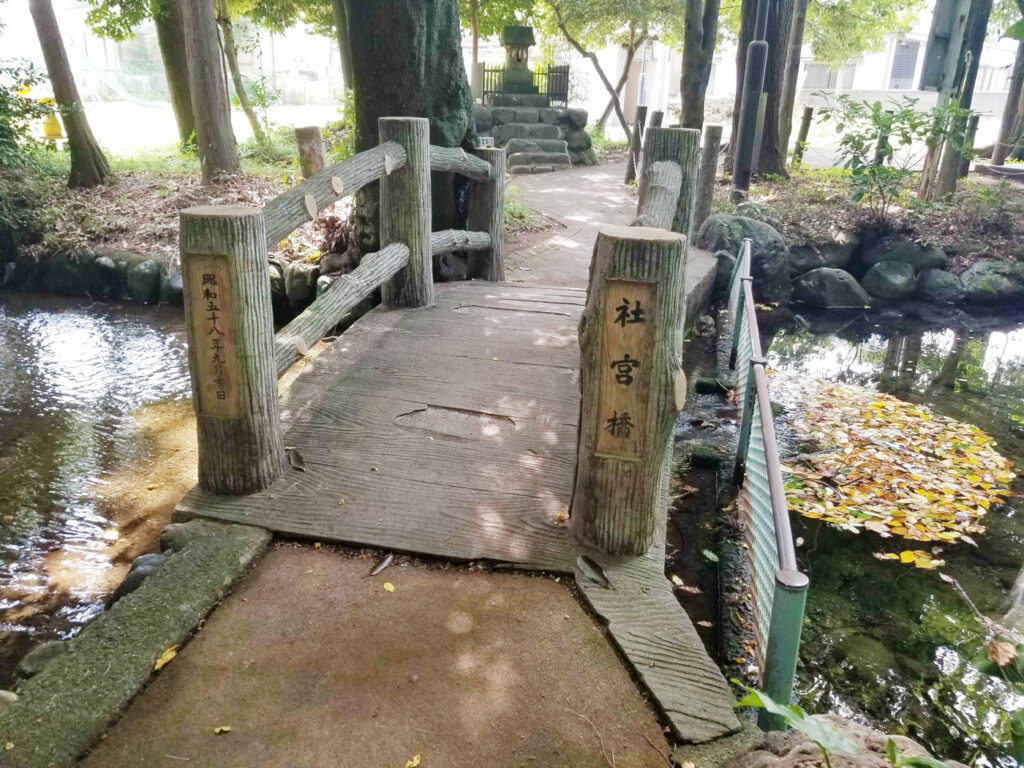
(311, 663)
(579, 202)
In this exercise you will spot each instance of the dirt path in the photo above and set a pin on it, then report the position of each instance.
(311, 663)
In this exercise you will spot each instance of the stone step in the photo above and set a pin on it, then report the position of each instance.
(518, 100)
(536, 145)
(537, 158)
(504, 133)
(518, 170)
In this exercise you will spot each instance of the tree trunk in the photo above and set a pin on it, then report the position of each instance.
(748, 17)
(698, 56)
(215, 139)
(344, 46)
(88, 165)
(623, 79)
(773, 149)
(792, 73)
(1012, 111)
(422, 42)
(231, 54)
(170, 35)
(630, 52)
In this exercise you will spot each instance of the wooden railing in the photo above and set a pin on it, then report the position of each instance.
(234, 356)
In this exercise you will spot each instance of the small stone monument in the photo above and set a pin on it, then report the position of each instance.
(518, 77)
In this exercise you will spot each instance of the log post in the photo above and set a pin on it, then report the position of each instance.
(706, 177)
(487, 214)
(230, 331)
(656, 117)
(312, 156)
(680, 145)
(405, 211)
(801, 137)
(968, 151)
(632, 386)
(657, 207)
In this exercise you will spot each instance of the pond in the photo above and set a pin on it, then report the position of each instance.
(885, 643)
(73, 376)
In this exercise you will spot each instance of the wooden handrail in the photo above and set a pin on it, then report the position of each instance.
(286, 212)
(448, 240)
(457, 160)
(293, 341)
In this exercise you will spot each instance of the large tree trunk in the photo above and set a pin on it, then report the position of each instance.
(773, 149)
(796, 44)
(170, 35)
(88, 165)
(231, 54)
(407, 62)
(344, 46)
(1013, 112)
(215, 139)
(698, 55)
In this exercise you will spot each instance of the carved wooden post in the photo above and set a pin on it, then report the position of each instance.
(405, 211)
(487, 214)
(706, 177)
(312, 156)
(680, 145)
(657, 207)
(231, 348)
(656, 117)
(631, 341)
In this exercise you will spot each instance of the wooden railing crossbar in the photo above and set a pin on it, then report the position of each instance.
(290, 210)
(457, 160)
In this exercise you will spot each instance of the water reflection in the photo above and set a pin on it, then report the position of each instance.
(888, 646)
(71, 376)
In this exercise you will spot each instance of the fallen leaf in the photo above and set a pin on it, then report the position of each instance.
(165, 658)
(389, 587)
(413, 762)
(295, 459)
(222, 729)
(1001, 653)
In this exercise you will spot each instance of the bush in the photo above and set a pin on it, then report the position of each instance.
(18, 111)
(881, 147)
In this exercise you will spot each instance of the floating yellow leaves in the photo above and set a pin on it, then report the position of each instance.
(389, 587)
(413, 762)
(890, 467)
(165, 658)
(222, 729)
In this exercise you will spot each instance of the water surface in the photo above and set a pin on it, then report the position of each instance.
(72, 376)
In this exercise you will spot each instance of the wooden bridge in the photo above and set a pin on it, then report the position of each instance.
(446, 422)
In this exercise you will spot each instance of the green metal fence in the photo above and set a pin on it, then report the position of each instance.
(779, 589)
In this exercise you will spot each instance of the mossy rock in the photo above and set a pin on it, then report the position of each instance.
(890, 280)
(769, 255)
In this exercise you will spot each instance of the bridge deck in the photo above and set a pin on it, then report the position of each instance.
(451, 431)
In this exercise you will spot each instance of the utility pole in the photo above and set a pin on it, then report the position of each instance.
(752, 106)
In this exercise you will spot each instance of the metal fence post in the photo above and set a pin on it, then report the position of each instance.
(783, 647)
(746, 421)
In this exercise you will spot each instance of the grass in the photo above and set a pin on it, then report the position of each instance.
(607, 150)
(519, 218)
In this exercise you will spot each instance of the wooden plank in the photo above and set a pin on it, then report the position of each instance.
(649, 627)
(408, 516)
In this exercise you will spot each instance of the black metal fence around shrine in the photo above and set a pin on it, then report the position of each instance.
(553, 82)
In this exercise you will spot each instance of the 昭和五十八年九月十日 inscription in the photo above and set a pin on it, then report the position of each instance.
(208, 293)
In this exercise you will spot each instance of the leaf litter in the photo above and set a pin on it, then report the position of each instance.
(893, 468)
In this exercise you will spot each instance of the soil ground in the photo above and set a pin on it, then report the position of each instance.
(312, 663)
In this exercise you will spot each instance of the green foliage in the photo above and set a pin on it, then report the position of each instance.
(18, 110)
(824, 734)
(493, 15)
(519, 217)
(597, 24)
(881, 147)
(117, 19)
(840, 32)
(905, 761)
(340, 135)
(261, 96)
(1015, 30)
